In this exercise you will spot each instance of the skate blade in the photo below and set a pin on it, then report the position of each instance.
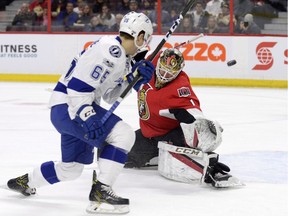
(31, 191)
(105, 208)
(230, 183)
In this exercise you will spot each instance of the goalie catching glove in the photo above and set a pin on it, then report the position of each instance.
(208, 133)
(92, 126)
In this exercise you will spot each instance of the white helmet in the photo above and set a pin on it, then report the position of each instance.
(133, 23)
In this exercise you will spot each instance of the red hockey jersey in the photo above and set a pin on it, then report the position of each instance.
(176, 94)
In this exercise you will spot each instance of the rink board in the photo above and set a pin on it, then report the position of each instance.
(261, 61)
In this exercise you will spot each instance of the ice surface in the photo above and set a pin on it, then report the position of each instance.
(254, 146)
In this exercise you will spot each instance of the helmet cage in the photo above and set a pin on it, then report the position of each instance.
(169, 65)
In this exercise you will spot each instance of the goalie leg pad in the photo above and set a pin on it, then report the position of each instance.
(181, 167)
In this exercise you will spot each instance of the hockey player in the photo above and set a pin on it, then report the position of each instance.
(173, 127)
(98, 72)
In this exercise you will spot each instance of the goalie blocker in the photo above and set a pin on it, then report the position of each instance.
(192, 166)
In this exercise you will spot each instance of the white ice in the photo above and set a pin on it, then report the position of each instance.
(254, 146)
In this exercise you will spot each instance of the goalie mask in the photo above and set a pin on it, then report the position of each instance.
(169, 65)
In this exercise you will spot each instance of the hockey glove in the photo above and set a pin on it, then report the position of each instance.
(93, 127)
(145, 69)
(212, 127)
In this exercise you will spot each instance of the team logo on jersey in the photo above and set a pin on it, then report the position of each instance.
(184, 92)
(115, 51)
(143, 109)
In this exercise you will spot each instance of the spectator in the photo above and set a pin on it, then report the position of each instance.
(42, 18)
(223, 19)
(134, 6)
(169, 5)
(214, 7)
(108, 18)
(212, 27)
(36, 4)
(123, 7)
(173, 16)
(263, 13)
(97, 6)
(95, 25)
(80, 7)
(248, 26)
(24, 17)
(185, 26)
(146, 6)
(242, 7)
(116, 26)
(86, 15)
(199, 17)
(68, 17)
(153, 15)
(56, 7)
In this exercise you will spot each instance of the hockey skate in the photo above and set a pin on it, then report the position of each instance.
(217, 175)
(104, 200)
(20, 184)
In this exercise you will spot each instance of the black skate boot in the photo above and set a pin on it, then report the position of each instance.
(20, 184)
(104, 200)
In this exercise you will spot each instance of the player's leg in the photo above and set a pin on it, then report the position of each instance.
(118, 140)
(111, 162)
(75, 153)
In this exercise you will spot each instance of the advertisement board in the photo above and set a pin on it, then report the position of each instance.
(258, 58)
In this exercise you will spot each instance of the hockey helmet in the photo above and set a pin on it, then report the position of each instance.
(169, 65)
(133, 23)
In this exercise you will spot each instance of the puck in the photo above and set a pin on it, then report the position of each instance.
(231, 63)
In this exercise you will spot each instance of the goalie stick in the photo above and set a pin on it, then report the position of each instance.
(151, 57)
(189, 41)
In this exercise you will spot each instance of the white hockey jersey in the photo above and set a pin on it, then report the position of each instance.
(97, 72)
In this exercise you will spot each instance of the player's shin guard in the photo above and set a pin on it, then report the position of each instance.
(111, 163)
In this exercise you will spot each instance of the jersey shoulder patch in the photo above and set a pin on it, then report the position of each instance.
(183, 92)
(115, 51)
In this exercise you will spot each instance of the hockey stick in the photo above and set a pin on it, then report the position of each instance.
(189, 41)
(150, 58)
